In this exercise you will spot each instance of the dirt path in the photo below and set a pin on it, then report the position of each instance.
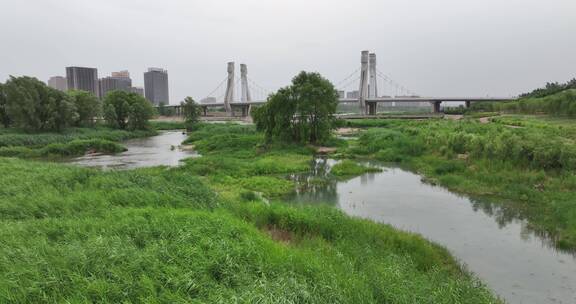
(484, 120)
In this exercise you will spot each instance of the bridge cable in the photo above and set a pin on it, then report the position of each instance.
(217, 88)
(337, 85)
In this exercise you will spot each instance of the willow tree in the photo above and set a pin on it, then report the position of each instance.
(302, 112)
(192, 112)
(4, 118)
(32, 105)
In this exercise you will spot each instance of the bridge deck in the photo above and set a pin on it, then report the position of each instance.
(394, 99)
(383, 99)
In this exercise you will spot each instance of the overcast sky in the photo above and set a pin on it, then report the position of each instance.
(433, 47)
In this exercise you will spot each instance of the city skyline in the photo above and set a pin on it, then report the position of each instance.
(118, 80)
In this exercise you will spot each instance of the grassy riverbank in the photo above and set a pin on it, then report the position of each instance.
(70, 142)
(523, 164)
(201, 233)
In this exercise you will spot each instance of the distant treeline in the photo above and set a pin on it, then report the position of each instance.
(27, 103)
(551, 88)
(554, 99)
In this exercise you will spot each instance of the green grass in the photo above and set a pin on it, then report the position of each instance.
(73, 148)
(15, 137)
(167, 125)
(525, 165)
(68, 143)
(481, 114)
(198, 234)
(349, 168)
(234, 160)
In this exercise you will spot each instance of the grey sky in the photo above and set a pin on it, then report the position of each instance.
(434, 47)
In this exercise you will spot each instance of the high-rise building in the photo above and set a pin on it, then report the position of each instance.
(122, 74)
(156, 86)
(118, 81)
(341, 94)
(137, 90)
(84, 79)
(58, 83)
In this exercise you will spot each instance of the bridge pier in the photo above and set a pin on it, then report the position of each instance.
(245, 111)
(436, 106)
(467, 104)
(372, 106)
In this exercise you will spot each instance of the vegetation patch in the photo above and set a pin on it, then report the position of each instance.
(73, 148)
(16, 137)
(349, 168)
(279, 235)
(561, 104)
(167, 125)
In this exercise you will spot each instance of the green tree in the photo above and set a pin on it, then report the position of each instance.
(87, 105)
(4, 118)
(32, 105)
(302, 112)
(61, 111)
(192, 112)
(127, 110)
(164, 110)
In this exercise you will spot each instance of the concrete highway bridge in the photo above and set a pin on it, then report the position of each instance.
(367, 100)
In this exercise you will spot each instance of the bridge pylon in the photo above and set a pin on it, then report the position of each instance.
(373, 87)
(229, 97)
(363, 90)
(244, 79)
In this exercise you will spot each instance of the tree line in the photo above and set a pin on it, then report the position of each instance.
(29, 104)
(551, 88)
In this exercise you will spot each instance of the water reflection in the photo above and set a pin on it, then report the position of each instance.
(494, 242)
(316, 185)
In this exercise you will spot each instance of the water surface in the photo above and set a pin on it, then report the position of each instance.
(162, 150)
(517, 264)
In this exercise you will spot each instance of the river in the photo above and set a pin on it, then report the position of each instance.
(517, 264)
(161, 150)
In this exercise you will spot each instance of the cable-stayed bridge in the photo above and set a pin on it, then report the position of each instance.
(373, 88)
